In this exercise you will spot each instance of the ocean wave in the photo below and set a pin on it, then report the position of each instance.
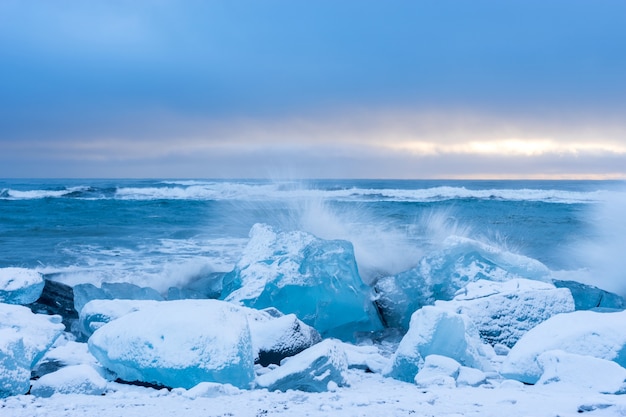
(11, 194)
(294, 191)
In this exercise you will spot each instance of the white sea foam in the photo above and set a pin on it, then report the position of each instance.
(603, 254)
(12, 194)
(195, 190)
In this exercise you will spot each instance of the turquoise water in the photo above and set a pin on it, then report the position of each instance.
(160, 232)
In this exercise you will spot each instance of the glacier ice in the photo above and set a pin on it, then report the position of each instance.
(312, 370)
(439, 275)
(435, 330)
(20, 285)
(315, 279)
(573, 371)
(83, 293)
(15, 369)
(24, 338)
(97, 313)
(75, 379)
(504, 311)
(591, 333)
(587, 297)
(178, 344)
(274, 336)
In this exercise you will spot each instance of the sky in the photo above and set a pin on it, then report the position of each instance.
(313, 89)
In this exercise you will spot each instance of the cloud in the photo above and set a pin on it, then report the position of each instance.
(400, 143)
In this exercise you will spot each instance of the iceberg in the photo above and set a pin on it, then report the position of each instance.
(315, 279)
(439, 275)
(178, 344)
(24, 339)
(20, 285)
(574, 372)
(435, 330)
(75, 379)
(504, 311)
(589, 333)
(316, 369)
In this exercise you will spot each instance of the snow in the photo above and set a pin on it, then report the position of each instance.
(596, 334)
(20, 285)
(572, 371)
(368, 395)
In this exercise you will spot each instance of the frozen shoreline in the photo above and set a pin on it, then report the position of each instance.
(369, 395)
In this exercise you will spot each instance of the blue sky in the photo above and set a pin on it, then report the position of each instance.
(398, 89)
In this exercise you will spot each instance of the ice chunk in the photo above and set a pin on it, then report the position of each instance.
(178, 344)
(15, 369)
(601, 335)
(274, 336)
(76, 379)
(434, 330)
(440, 275)
(83, 293)
(20, 285)
(37, 331)
(504, 311)
(315, 279)
(24, 338)
(587, 297)
(579, 371)
(211, 390)
(311, 370)
(470, 377)
(97, 313)
(438, 370)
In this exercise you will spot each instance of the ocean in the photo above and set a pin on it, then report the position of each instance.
(164, 233)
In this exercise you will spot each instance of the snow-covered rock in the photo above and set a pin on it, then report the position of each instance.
(276, 336)
(578, 372)
(76, 379)
(504, 311)
(439, 275)
(315, 279)
(313, 370)
(437, 331)
(20, 285)
(178, 344)
(24, 338)
(589, 333)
